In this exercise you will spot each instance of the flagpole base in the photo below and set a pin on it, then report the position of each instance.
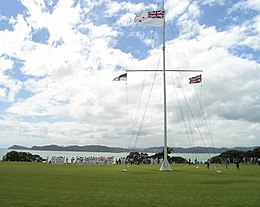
(165, 166)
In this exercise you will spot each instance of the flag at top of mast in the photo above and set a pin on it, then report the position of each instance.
(152, 18)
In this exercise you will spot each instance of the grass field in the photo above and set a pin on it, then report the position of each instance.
(37, 184)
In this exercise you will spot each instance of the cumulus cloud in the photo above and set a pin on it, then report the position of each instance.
(246, 5)
(62, 91)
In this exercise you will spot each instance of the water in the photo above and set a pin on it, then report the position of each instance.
(201, 157)
(69, 154)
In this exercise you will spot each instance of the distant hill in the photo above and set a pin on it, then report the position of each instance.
(18, 147)
(100, 148)
(198, 149)
(87, 148)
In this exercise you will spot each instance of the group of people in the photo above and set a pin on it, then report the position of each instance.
(92, 160)
(251, 160)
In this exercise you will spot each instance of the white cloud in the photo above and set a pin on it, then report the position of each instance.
(72, 100)
(245, 5)
(2, 94)
(187, 21)
(102, 31)
(213, 2)
(5, 64)
(10, 86)
(252, 32)
(3, 17)
(176, 8)
(113, 8)
(11, 41)
(126, 20)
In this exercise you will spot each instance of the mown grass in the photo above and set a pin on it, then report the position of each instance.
(37, 184)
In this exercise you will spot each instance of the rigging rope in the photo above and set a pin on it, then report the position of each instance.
(189, 111)
(136, 131)
(131, 145)
(180, 83)
(182, 114)
(145, 110)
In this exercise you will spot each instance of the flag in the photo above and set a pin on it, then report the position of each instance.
(152, 18)
(122, 77)
(195, 79)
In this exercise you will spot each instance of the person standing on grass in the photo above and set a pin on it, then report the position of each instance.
(208, 162)
(226, 163)
(237, 164)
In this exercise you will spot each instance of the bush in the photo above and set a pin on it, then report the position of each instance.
(178, 160)
(21, 157)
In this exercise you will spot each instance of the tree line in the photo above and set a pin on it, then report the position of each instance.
(231, 156)
(234, 156)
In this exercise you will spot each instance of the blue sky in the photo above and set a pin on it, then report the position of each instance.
(57, 60)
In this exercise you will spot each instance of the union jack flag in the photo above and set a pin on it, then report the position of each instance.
(195, 79)
(156, 14)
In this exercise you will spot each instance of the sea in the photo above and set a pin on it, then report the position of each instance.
(201, 157)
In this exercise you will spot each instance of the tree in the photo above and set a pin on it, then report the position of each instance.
(237, 156)
(21, 157)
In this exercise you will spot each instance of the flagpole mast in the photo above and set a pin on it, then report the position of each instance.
(165, 165)
(154, 19)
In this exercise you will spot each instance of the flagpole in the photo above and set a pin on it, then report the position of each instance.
(165, 165)
(151, 19)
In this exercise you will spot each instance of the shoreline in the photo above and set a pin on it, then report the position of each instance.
(44, 154)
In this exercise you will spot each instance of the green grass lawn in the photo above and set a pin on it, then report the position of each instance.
(37, 184)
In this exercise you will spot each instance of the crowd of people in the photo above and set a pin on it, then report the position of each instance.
(149, 160)
(101, 160)
(92, 160)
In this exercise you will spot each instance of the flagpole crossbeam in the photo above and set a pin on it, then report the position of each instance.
(173, 70)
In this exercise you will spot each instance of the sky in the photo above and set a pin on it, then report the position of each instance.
(58, 60)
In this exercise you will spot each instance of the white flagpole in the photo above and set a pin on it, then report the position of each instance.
(165, 165)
